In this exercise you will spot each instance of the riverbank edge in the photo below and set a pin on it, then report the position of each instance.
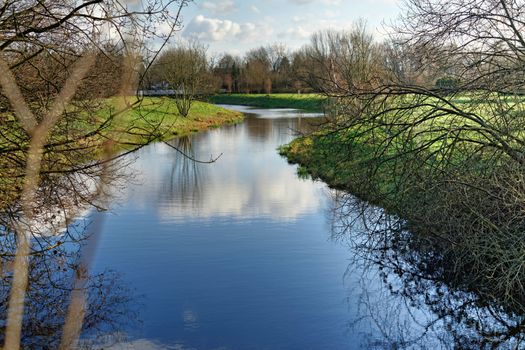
(305, 102)
(315, 162)
(200, 122)
(330, 156)
(203, 116)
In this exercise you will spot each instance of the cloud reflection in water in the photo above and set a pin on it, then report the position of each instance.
(236, 185)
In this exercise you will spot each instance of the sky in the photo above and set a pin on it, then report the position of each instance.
(235, 26)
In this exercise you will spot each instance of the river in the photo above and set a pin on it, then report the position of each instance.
(245, 254)
(235, 254)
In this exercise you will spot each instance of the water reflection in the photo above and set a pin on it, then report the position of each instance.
(63, 232)
(183, 235)
(237, 185)
(110, 302)
(427, 298)
(183, 182)
(242, 259)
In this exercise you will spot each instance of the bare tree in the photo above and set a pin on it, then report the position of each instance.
(257, 70)
(227, 69)
(448, 158)
(338, 62)
(184, 69)
(49, 75)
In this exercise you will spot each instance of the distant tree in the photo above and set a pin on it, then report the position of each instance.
(258, 70)
(268, 85)
(227, 70)
(299, 71)
(184, 69)
(402, 63)
(275, 54)
(337, 61)
(280, 68)
(255, 74)
(263, 69)
(284, 74)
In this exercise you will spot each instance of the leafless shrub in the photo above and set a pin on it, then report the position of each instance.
(446, 157)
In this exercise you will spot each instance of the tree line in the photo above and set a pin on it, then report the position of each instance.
(331, 58)
(266, 69)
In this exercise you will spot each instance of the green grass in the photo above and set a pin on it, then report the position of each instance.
(307, 102)
(159, 118)
(456, 202)
(321, 156)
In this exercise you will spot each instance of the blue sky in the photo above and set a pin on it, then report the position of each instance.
(239, 25)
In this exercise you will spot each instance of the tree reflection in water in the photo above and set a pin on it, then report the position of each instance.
(185, 182)
(427, 297)
(62, 246)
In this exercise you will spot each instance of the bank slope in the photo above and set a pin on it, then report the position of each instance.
(158, 119)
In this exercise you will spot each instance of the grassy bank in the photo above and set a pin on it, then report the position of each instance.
(159, 118)
(307, 102)
(341, 166)
(455, 195)
(390, 172)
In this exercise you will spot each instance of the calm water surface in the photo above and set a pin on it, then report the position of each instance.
(244, 254)
(231, 255)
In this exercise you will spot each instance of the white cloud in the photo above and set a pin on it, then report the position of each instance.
(211, 29)
(298, 32)
(215, 30)
(164, 28)
(232, 187)
(219, 6)
(306, 2)
(301, 2)
(244, 194)
(253, 23)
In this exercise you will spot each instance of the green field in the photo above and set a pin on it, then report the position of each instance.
(307, 102)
